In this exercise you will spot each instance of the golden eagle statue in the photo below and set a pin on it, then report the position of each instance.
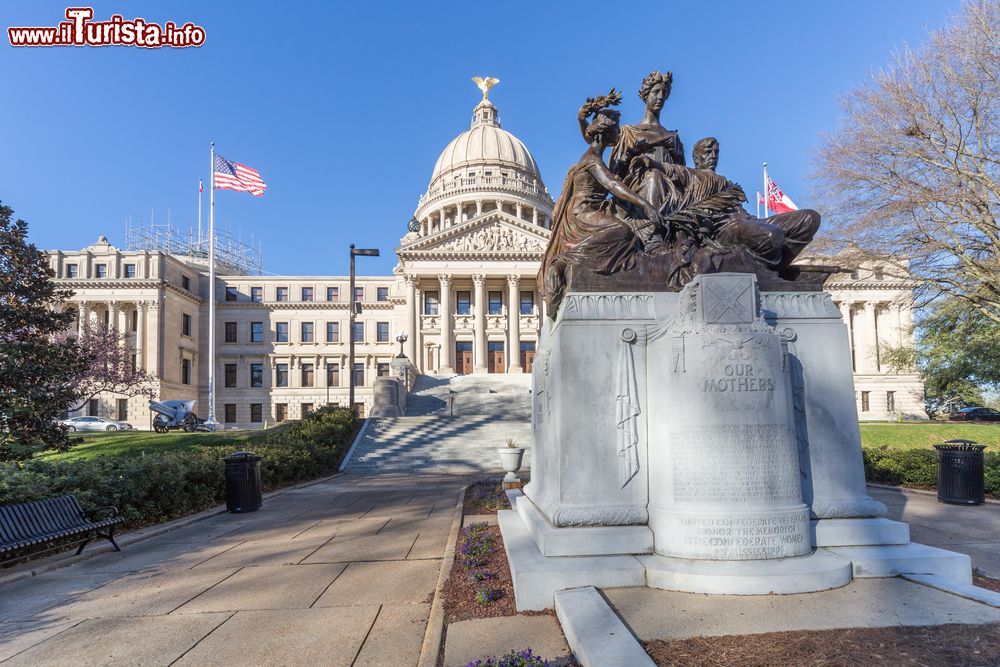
(485, 83)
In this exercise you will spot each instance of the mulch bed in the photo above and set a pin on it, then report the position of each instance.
(460, 591)
(929, 646)
(987, 583)
(485, 497)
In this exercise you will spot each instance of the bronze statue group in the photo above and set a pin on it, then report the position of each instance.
(646, 212)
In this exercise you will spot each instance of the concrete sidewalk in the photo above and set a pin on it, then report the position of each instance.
(969, 530)
(337, 573)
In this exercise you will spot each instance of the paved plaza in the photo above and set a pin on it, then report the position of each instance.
(337, 573)
(342, 573)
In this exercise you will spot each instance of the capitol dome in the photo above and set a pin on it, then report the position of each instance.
(483, 169)
(485, 143)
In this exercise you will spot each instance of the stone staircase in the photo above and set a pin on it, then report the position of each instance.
(486, 410)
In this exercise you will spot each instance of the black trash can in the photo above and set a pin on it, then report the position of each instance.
(960, 472)
(243, 489)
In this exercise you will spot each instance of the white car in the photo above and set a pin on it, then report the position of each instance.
(94, 424)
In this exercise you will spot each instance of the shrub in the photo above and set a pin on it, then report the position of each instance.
(919, 467)
(151, 488)
(524, 658)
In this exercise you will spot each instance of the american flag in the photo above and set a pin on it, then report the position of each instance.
(236, 176)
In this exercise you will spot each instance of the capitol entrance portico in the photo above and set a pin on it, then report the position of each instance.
(472, 252)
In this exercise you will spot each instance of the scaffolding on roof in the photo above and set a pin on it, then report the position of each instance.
(232, 254)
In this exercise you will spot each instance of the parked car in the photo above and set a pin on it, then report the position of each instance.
(976, 415)
(94, 424)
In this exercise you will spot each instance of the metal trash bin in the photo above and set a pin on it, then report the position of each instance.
(243, 488)
(960, 472)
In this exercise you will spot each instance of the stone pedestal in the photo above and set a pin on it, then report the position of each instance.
(704, 441)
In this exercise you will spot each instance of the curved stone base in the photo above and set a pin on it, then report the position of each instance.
(819, 571)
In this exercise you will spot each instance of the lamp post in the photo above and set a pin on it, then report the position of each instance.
(401, 338)
(355, 311)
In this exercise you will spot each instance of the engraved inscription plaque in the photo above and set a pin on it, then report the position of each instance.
(724, 473)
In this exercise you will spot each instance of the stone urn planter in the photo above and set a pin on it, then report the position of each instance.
(511, 457)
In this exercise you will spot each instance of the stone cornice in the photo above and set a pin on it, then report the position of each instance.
(312, 305)
(75, 284)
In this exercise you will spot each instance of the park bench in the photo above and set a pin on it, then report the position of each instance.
(40, 525)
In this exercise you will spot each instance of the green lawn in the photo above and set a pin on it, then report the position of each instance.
(138, 443)
(923, 435)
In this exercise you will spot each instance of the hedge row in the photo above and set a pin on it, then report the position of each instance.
(918, 467)
(152, 488)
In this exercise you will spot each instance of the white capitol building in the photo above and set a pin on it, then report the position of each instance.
(463, 291)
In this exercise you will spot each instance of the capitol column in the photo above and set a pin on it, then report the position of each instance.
(867, 341)
(412, 317)
(83, 315)
(514, 323)
(479, 356)
(444, 312)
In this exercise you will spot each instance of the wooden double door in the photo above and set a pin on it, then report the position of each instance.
(463, 358)
(495, 360)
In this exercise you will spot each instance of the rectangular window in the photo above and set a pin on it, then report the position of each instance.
(185, 371)
(333, 294)
(865, 402)
(280, 412)
(186, 324)
(92, 408)
(359, 332)
(256, 332)
(281, 294)
(382, 332)
(281, 375)
(463, 303)
(332, 375)
(307, 332)
(230, 332)
(71, 271)
(256, 294)
(307, 293)
(382, 294)
(230, 413)
(359, 374)
(130, 270)
(307, 375)
(231, 294)
(430, 303)
(359, 293)
(100, 270)
(186, 283)
(230, 373)
(890, 401)
(281, 332)
(256, 413)
(122, 409)
(256, 375)
(333, 332)
(382, 370)
(307, 409)
(527, 303)
(496, 303)
(879, 273)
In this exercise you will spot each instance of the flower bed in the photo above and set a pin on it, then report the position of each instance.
(485, 497)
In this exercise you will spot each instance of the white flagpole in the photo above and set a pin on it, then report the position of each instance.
(210, 422)
(767, 192)
(199, 213)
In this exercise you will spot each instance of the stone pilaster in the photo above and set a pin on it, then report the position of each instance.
(412, 317)
(140, 335)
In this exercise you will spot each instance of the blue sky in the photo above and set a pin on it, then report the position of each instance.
(344, 107)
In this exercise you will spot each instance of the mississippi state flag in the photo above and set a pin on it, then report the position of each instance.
(777, 200)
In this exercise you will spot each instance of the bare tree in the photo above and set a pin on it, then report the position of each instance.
(912, 176)
(112, 366)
